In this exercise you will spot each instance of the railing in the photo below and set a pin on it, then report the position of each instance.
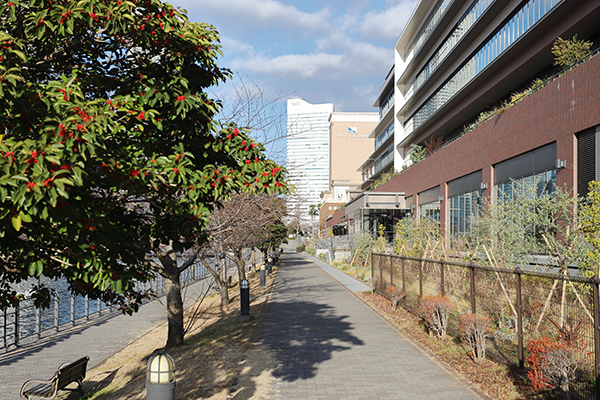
(521, 305)
(27, 323)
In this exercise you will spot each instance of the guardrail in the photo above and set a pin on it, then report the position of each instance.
(27, 324)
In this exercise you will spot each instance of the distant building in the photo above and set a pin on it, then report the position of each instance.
(307, 154)
(350, 143)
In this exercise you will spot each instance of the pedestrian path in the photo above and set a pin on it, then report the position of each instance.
(327, 344)
(97, 339)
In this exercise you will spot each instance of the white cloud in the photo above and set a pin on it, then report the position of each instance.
(302, 66)
(389, 23)
(259, 14)
(235, 46)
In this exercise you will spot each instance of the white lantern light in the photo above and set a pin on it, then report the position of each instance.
(161, 368)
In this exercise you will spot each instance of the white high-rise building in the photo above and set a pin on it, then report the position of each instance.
(307, 154)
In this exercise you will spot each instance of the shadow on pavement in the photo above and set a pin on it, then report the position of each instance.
(311, 335)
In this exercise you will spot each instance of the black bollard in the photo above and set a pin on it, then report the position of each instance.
(263, 278)
(244, 300)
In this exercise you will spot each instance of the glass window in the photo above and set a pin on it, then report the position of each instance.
(463, 209)
(543, 183)
(429, 204)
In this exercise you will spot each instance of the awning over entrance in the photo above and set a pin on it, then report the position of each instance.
(377, 201)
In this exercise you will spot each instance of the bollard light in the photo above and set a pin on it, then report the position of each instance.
(160, 377)
(244, 300)
(270, 266)
(263, 278)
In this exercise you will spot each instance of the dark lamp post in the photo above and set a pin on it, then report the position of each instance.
(244, 300)
(263, 278)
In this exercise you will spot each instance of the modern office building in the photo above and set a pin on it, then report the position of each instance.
(307, 154)
(382, 158)
(458, 61)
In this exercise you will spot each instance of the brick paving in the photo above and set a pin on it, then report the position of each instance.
(329, 345)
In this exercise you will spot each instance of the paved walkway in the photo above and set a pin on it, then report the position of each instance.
(329, 345)
(98, 339)
(326, 343)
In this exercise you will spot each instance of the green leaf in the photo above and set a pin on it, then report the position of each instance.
(16, 222)
(118, 286)
(41, 31)
(24, 217)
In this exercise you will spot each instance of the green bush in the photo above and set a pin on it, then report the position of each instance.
(299, 249)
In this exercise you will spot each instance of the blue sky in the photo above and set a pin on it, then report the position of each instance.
(327, 51)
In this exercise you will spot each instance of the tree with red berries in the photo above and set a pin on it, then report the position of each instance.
(110, 154)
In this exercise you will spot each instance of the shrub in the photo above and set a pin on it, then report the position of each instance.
(552, 364)
(474, 329)
(395, 295)
(435, 310)
(300, 249)
(568, 52)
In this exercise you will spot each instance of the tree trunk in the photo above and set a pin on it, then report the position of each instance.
(174, 310)
(241, 264)
(170, 273)
(224, 286)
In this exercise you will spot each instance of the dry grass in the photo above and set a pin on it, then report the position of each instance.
(209, 366)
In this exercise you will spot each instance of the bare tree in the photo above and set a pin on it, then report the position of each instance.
(238, 226)
(249, 106)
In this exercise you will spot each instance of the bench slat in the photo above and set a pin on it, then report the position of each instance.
(66, 374)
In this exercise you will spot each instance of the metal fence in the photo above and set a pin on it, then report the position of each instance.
(27, 324)
(521, 305)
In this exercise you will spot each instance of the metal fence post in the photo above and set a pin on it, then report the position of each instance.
(38, 322)
(72, 308)
(17, 324)
(472, 276)
(391, 269)
(420, 279)
(380, 271)
(402, 261)
(520, 319)
(442, 292)
(56, 312)
(4, 328)
(595, 284)
(87, 308)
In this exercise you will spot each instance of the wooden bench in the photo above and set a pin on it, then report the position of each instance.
(65, 375)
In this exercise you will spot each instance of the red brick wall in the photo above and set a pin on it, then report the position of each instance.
(553, 114)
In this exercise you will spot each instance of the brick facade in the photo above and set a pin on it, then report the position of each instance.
(555, 113)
